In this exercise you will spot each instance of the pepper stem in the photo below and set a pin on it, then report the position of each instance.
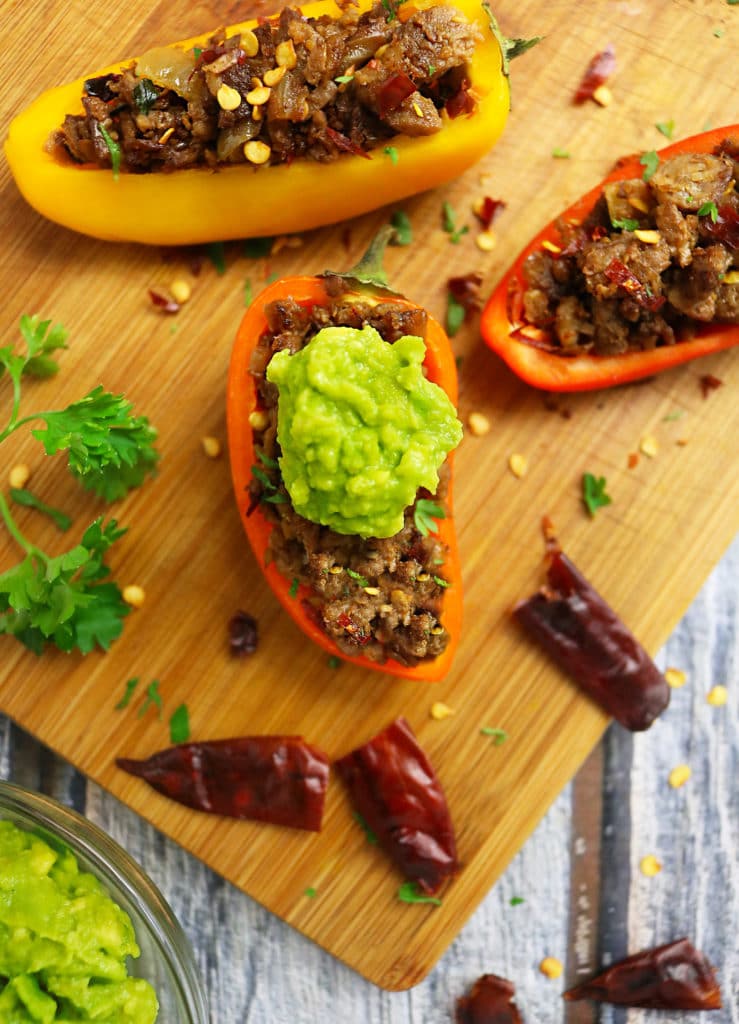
(369, 270)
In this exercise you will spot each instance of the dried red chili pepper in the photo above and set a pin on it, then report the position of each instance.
(676, 976)
(396, 791)
(598, 71)
(466, 291)
(162, 302)
(345, 144)
(589, 642)
(709, 383)
(393, 92)
(490, 1002)
(489, 210)
(725, 228)
(278, 779)
(619, 274)
(462, 102)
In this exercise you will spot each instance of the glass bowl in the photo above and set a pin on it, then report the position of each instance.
(166, 959)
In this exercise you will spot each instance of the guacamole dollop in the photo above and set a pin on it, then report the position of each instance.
(63, 941)
(360, 427)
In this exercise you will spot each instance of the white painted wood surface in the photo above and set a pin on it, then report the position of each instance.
(259, 971)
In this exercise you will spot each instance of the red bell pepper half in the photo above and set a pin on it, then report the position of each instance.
(541, 366)
(242, 401)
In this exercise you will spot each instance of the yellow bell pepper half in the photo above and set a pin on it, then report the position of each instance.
(201, 205)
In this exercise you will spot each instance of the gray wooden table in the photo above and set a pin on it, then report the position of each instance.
(586, 900)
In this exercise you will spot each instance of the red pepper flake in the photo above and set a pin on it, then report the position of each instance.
(394, 788)
(709, 383)
(278, 779)
(462, 102)
(355, 633)
(490, 1001)
(599, 70)
(633, 460)
(725, 229)
(162, 302)
(676, 976)
(584, 636)
(397, 88)
(346, 145)
(489, 210)
(466, 291)
(619, 274)
(550, 535)
(242, 634)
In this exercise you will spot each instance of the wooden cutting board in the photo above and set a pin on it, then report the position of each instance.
(672, 515)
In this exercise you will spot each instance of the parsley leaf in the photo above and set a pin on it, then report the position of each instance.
(667, 128)
(455, 314)
(709, 209)
(153, 698)
(41, 339)
(409, 892)
(516, 901)
(650, 163)
(344, 79)
(29, 500)
(403, 229)
(311, 892)
(425, 514)
(145, 95)
(498, 736)
(392, 152)
(113, 149)
(449, 220)
(63, 599)
(561, 154)
(441, 582)
(179, 725)
(293, 591)
(110, 451)
(625, 223)
(594, 492)
(358, 577)
(128, 694)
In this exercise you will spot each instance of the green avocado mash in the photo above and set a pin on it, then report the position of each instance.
(361, 429)
(63, 941)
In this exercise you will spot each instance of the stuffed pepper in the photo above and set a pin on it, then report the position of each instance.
(341, 423)
(639, 275)
(270, 126)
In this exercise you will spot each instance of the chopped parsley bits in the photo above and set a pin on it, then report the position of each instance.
(650, 163)
(561, 154)
(409, 892)
(369, 834)
(425, 513)
(403, 229)
(153, 698)
(358, 577)
(392, 152)
(310, 892)
(216, 253)
(344, 79)
(334, 662)
(257, 248)
(625, 224)
(455, 314)
(594, 492)
(709, 209)
(667, 128)
(293, 591)
(441, 582)
(516, 901)
(113, 149)
(179, 725)
(145, 95)
(449, 221)
(125, 700)
(248, 295)
(266, 460)
(498, 736)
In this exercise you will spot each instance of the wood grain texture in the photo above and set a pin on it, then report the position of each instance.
(648, 553)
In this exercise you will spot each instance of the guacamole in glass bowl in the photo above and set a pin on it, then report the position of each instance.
(84, 934)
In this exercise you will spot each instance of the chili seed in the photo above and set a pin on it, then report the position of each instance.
(650, 866)
(649, 446)
(372, 591)
(675, 678)
(417, 110)
(256, 113)
(258, 420)
(274, 75)
(285, 54)
(437, 631)
(478, 423)
(228, 98)
(648, 237)
(638, 204)
(336, 570)
(258, 96)
(19, 475)
(717, 696)
(439, 711)
(551, 967)
(423, 577)
(134, 595)
(485, 241)
(731, 278)
(249, 43)
(181, 290)
(257, 152)
(603, 96)
(166, 136)
(679, 775)
(211, 447)
(518, 465)
(550, 246)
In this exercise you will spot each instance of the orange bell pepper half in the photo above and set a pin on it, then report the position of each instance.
(242, 401)
(543, 368)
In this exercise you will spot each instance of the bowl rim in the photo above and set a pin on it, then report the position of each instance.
(110, 860)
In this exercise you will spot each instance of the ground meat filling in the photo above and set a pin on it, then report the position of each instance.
(294, 87)
(381, 598)
(652, 261)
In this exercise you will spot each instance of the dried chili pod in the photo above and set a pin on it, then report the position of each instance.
(589, 642)
(278, 779)
(394, 788)
(490, 1001)
(676, 976)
